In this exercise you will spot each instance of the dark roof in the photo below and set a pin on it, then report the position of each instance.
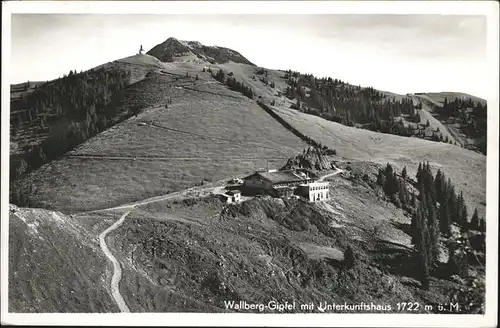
(233, 192)
(279, 176)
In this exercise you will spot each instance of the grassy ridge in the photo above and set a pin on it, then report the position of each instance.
(199, 136)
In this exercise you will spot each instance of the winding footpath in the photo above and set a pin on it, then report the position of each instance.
(330, 175)
(117, 270)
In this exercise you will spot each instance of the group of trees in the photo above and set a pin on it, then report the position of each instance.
(393, 127)
(233, 84)
(434, 210)
(338, 101)
(347, 104)
(471, 115)
(395, 187)
(80, 99)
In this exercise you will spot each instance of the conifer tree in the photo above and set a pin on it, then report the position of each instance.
(380, 178)
(433, 225)
(414, 202)
(444, 218)
(458, 214)
(437, 185)
(402, 193)
(482, 225)
(416, 226)
(474, 222)
(404, 173)
(419, 174)
(423, 258)
(465, 224)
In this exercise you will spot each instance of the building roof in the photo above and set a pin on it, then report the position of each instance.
(233, 192)
(283, 188)
(279, 176)
(315, 184)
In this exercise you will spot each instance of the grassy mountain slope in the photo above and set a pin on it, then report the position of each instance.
(48, 119)
(467, 169)
(436, 125)
(207, 132)
(466, 126)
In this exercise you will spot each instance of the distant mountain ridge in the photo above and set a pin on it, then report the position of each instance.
(170, 49)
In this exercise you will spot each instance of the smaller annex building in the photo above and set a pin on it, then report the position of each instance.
(232, 196)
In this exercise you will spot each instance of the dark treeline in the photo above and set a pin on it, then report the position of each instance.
(233, 84)
(299, 134)
(337, 101)
(74, 96)
(435, 209)
(69, 110)
(471, 115)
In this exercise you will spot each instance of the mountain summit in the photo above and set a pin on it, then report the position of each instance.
(177, 50)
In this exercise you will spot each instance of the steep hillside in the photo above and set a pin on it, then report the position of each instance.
(207, 132)
(381, 111)
(55, 264)
(435, 126)
(198, 254)
(199, 111)
(48, 119)
(467, 169)
(463, 116)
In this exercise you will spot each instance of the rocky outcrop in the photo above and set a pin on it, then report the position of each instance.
(171, 48)
(314, 158)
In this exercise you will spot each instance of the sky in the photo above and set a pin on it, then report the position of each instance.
(396, 53)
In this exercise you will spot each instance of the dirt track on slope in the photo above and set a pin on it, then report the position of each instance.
(117, 270)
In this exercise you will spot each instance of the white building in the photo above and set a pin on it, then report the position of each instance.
(314, 191)
(230, 197)
(225, 198)
(235, 195)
